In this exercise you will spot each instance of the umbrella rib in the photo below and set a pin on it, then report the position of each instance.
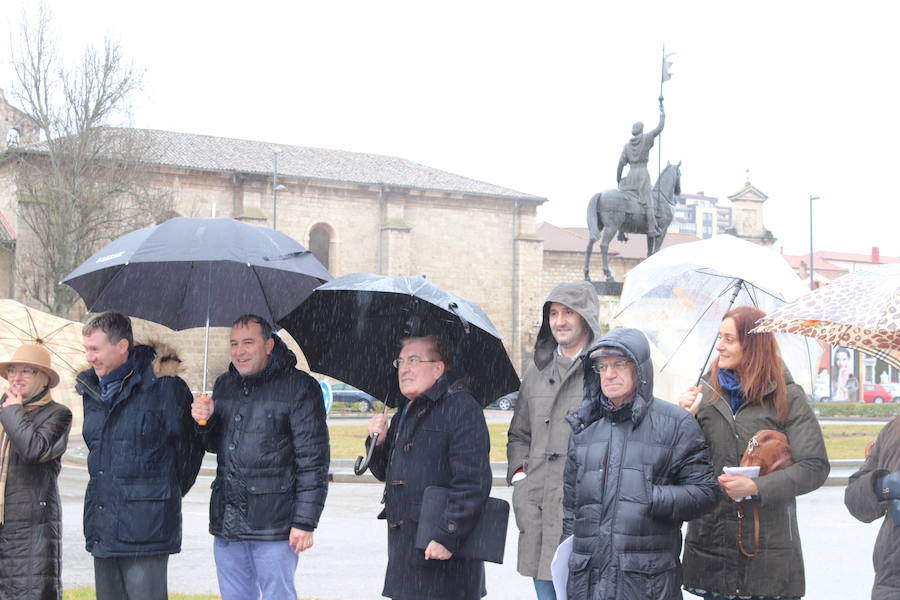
(697, 322)
(262, 290)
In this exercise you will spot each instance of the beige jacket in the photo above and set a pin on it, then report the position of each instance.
(539, 433)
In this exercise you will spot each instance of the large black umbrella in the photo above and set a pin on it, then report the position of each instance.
(191, 272)
(351, 328)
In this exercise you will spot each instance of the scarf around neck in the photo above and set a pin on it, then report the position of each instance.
(731, 383)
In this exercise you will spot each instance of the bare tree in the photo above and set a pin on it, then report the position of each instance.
(86, 181)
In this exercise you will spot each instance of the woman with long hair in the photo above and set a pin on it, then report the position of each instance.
(749, 389)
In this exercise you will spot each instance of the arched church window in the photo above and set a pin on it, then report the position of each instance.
(320, 244)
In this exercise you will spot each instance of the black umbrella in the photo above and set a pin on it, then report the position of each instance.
(191, 272)
(351, 328)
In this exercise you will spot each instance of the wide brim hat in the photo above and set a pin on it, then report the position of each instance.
(31, 355)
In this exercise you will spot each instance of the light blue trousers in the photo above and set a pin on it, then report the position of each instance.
(248, 569)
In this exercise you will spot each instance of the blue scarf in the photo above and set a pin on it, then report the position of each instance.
(730, 382)
(111, 383)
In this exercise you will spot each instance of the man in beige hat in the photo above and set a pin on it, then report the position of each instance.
(34, 431)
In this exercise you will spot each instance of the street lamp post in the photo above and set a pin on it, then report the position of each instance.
(811, 280)
(276, 187)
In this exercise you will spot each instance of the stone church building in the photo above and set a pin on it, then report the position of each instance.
(356, 212)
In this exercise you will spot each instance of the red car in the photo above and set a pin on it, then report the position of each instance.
(873, 392)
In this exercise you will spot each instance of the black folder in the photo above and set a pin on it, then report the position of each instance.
(486, 541)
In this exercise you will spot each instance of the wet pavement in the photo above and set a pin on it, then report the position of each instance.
(349, 556)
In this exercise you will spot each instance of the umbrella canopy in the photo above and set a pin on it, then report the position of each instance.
(351, 329)
(679, 295)
(188, 270)
(20, 324)
(859, 310)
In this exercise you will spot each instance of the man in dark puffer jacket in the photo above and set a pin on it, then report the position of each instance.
(637, 467)
(267, 426)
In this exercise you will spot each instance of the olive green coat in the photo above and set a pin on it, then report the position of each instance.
(539, 434)
(712, 561)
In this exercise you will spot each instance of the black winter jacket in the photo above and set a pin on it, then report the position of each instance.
(30, 536)
(269, 433)
(143, 456)
(443, 441)
(632, 477)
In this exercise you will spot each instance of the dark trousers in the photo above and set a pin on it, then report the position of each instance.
(131, 578)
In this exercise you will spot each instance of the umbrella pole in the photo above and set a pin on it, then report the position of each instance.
(734, 295)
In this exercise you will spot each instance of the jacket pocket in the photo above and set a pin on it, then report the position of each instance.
(270, 502)
(145, 514)
(579, 584)
(647, 575)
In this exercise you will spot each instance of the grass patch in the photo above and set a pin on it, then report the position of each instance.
(348, 441)
(89, 594)
(848, 441)
(857, 409)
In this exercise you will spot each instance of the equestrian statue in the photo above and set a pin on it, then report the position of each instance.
(622, 211)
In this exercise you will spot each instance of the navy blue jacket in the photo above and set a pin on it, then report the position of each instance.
(144, 455)
(271, 439)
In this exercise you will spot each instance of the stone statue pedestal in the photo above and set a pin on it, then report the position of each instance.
(607, 288)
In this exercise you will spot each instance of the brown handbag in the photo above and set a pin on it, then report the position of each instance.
(769, 450)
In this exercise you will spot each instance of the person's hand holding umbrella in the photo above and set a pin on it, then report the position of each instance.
(378, 426)
(202, 409)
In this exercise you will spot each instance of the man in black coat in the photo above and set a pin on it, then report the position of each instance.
(438, 437)
(637, 468)
(143, 456)
(266, 423)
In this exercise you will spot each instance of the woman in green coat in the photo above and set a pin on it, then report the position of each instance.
(749, 389)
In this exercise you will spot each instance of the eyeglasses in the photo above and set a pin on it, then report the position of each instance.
(27, 371)
(617, 365)
(411, 361)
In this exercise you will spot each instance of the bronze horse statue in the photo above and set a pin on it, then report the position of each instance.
(610, 211)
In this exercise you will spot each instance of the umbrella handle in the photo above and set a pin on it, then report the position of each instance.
(362, 463)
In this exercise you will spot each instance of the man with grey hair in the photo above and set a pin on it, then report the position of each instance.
(143, 456)
(636, 183)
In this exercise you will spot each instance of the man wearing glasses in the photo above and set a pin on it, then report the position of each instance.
(637, 467)
(438, 437)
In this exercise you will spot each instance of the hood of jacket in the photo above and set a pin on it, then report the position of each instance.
(281, 359)
(581, 297)
(634, 344)
(160, 358)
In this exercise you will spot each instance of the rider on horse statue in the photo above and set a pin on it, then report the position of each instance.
(636, 185)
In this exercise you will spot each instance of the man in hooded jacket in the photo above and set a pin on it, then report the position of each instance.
(637, 467)
(872, 493)
(539, 434)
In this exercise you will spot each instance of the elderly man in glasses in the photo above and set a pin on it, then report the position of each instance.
(438, 437)
(637, 467)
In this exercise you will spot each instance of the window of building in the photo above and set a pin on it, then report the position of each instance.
(320, 244)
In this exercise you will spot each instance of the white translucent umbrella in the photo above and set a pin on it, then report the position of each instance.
(678, 296)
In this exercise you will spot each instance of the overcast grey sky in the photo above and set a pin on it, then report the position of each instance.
(540, 97)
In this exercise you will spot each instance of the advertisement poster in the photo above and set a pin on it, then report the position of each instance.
(844, 375)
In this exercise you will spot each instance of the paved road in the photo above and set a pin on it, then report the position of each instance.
(348, 560)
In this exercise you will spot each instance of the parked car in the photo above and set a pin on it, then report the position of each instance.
(894, 388)
(877, 393)
(821, 391)
(507, 402)
(349, 397)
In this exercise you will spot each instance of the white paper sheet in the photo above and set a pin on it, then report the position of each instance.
(559, 568)
(751, 472)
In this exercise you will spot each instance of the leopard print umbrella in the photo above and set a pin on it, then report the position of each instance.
(859, 310)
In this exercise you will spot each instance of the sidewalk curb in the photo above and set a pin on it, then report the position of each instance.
(341, 470)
